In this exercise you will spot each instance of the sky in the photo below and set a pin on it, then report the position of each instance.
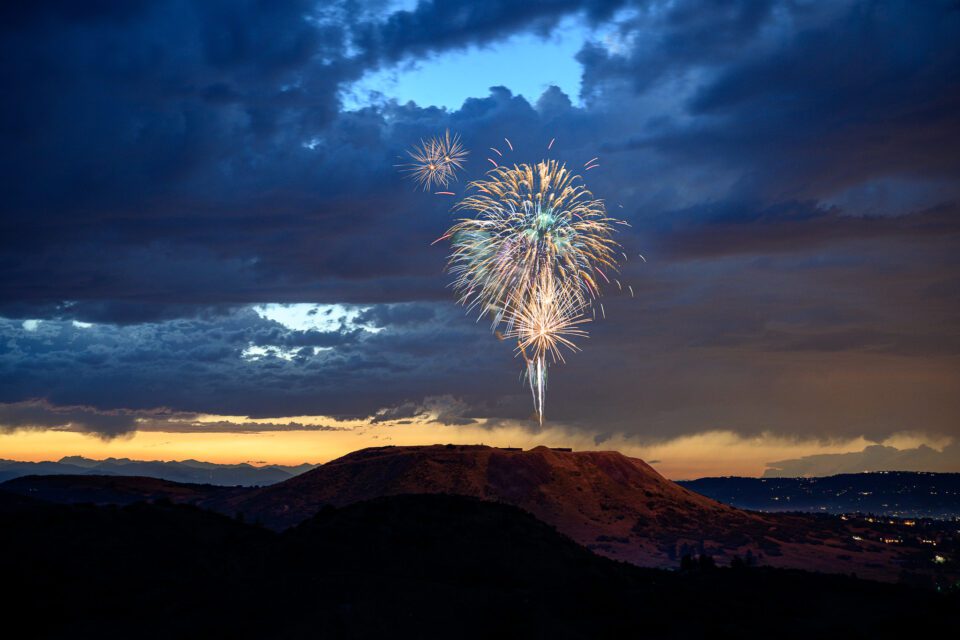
(207, 250)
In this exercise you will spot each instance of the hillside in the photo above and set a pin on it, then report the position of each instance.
(401, 566)
(616, 506)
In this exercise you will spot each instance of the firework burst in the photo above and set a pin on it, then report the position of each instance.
(435, 162)
(530, 256)
(532, 224)
(531, 252)
(546, 322)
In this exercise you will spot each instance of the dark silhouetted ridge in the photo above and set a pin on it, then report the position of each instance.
(614, 505)
(427, 566)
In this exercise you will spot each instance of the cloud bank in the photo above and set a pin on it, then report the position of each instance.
(788, 169)
(873, 458)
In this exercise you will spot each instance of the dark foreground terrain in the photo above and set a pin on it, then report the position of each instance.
(402, 566)
(614, 505)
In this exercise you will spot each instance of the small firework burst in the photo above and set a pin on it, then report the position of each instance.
(435, 162)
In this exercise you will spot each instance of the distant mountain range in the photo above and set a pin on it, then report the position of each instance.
(617, 506)
(192, 471)
(891, 493)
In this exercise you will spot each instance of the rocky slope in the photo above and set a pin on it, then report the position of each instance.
(620, 507)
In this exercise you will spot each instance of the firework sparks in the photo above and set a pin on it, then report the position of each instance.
(528, 220)
(542, 326)
(529, 257)
(545, 324)
(435, 162)
(531, 253)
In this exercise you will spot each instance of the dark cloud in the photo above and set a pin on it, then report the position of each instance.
(396, 315)
(799, 100)
(241, 363)
(402, 413)
(791, 227)
(201, 147)
(434, 26)
(40, 414)
(445, 410)
(787, 168)
(873, 458)
(183, 425)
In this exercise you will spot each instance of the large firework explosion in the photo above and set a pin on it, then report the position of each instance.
(531, 256)
(532, 224)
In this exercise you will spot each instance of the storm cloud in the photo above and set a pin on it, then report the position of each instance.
(788, 169)
(40, 414)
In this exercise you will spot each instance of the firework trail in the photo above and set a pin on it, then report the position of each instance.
(436, 161)
(550, 320)
(528, 257)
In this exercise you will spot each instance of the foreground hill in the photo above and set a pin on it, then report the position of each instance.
(401, 566)
(891, 493)
(617, 506)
